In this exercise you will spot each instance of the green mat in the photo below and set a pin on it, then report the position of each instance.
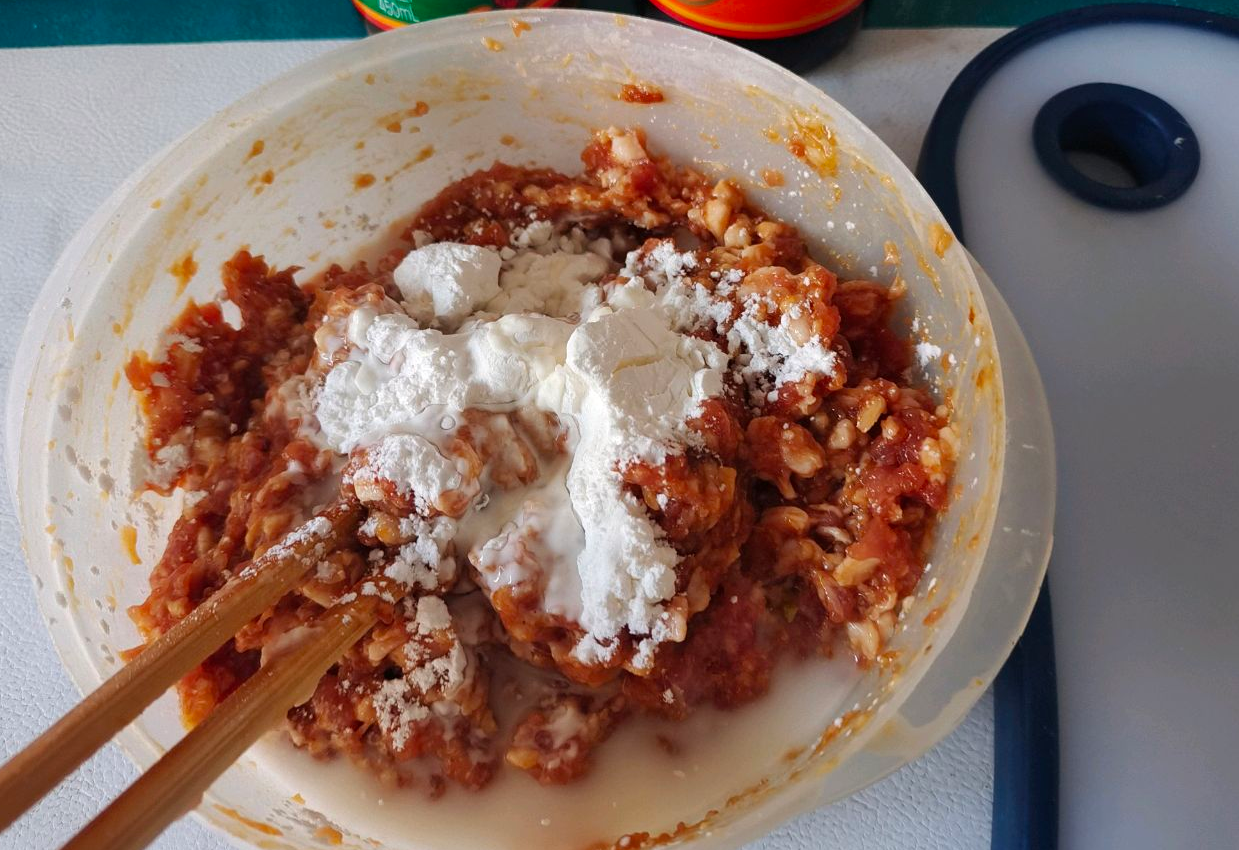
(45, 23)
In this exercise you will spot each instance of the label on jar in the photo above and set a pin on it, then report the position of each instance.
(756, 18)
(388, 14)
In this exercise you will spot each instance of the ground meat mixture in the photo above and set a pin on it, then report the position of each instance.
(798, 512)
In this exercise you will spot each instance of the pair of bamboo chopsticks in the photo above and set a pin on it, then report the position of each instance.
(175, 784)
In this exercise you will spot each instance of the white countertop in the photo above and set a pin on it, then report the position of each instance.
(75, 121)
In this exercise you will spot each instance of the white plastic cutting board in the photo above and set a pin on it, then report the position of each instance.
(1134, 321)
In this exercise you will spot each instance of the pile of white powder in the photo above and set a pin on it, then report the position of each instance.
(528, 327)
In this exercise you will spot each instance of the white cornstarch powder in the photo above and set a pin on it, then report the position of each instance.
(447, 281)
(432, 615)
(397, 372)
(529, 327)
(413, 464)
(397, 708)
(423, 563)
(927, 352)
(560, 283)
(765, 356)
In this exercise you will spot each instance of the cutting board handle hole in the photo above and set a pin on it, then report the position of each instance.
(1103, 166)
(1116, 146)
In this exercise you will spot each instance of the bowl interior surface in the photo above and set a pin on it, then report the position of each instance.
(278, 173)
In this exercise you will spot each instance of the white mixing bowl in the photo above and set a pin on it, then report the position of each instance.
(827, 729)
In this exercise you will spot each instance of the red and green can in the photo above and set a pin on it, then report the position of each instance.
(757, 19)
(388, 14)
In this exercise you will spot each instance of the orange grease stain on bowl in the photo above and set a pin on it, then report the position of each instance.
(519, 26)
(422, 155)
(812, 142)
(850, 720)
(255, 149)
(261, 181)
(772, 177)
(329, 835)
(361, 181)
(930, 272)
(984, 375)
(393, 122)
(848, 724)
(129, 540)
(171, 225)
(264, 828)
(183, 270)
(640, 93)
(491, 44)
(939, 239)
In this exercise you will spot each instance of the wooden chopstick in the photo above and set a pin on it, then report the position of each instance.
(175, 784)
(114, 704)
